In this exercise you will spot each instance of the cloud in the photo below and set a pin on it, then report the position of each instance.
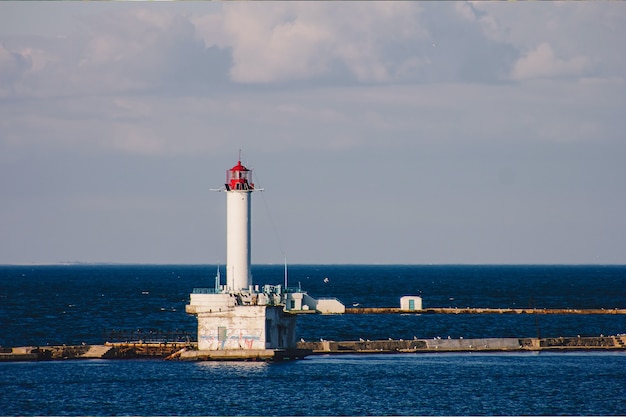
(295, 41)
(13, 65)
(176, 79)
(541, 63)
(569, 39)
(489, 23)
(200, 49)
(125, 49)
(144, 49)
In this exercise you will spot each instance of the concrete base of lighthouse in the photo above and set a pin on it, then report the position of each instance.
(245, 355)
(246, 327)
(230, 331)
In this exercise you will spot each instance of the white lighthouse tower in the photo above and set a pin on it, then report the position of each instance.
(236, 321)
(238, 189)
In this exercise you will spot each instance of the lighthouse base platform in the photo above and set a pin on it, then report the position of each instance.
(244, 355)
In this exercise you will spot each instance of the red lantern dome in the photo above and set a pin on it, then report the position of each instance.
(237, 178)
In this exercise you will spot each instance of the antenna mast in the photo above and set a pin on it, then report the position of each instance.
(285, 272)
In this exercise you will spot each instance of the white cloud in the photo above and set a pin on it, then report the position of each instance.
(134, 47)
(488, 22)
(542, 63)
(120, 49)
(287, 41)
(132, 78)
(570, 38)
(137, 43)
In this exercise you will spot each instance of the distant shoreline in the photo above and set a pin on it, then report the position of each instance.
(79, 263)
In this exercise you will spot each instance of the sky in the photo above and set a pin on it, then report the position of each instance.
(381, 133)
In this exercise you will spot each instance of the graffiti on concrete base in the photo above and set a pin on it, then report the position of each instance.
(228, 339)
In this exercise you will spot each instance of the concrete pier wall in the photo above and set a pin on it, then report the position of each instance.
(189, 351)
(468, 345)
(450, 310)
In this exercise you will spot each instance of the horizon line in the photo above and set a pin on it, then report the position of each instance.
(99, 263)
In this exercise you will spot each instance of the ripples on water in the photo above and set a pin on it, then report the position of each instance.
(407, 384)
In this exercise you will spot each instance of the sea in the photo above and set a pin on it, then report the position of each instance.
(74, 304)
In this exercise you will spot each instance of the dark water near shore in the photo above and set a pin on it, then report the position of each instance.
(42, 305)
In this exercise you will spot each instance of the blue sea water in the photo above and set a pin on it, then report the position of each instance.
(72, 304)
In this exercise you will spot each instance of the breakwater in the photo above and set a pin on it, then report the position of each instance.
(188, 351)
(473, 310)
(106, 351)
(438, 345)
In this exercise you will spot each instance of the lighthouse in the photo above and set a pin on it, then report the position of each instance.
(236, 321)
(238, 188)
(239, 321)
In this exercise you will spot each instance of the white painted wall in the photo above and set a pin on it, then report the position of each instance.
(238, 240)
(330, 306)
(406, 300)
(324, 305)
(209, 302)
(246, 327)
(293, 301)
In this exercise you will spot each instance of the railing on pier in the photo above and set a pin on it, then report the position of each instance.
(291, 290)
(149, 336)
(205, 291)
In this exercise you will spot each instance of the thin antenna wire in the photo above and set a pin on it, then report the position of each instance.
(269, 215)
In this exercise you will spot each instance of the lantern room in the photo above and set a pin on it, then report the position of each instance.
(237, 178)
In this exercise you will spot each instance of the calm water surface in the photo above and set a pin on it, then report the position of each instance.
(73, 304)
(407, 384)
